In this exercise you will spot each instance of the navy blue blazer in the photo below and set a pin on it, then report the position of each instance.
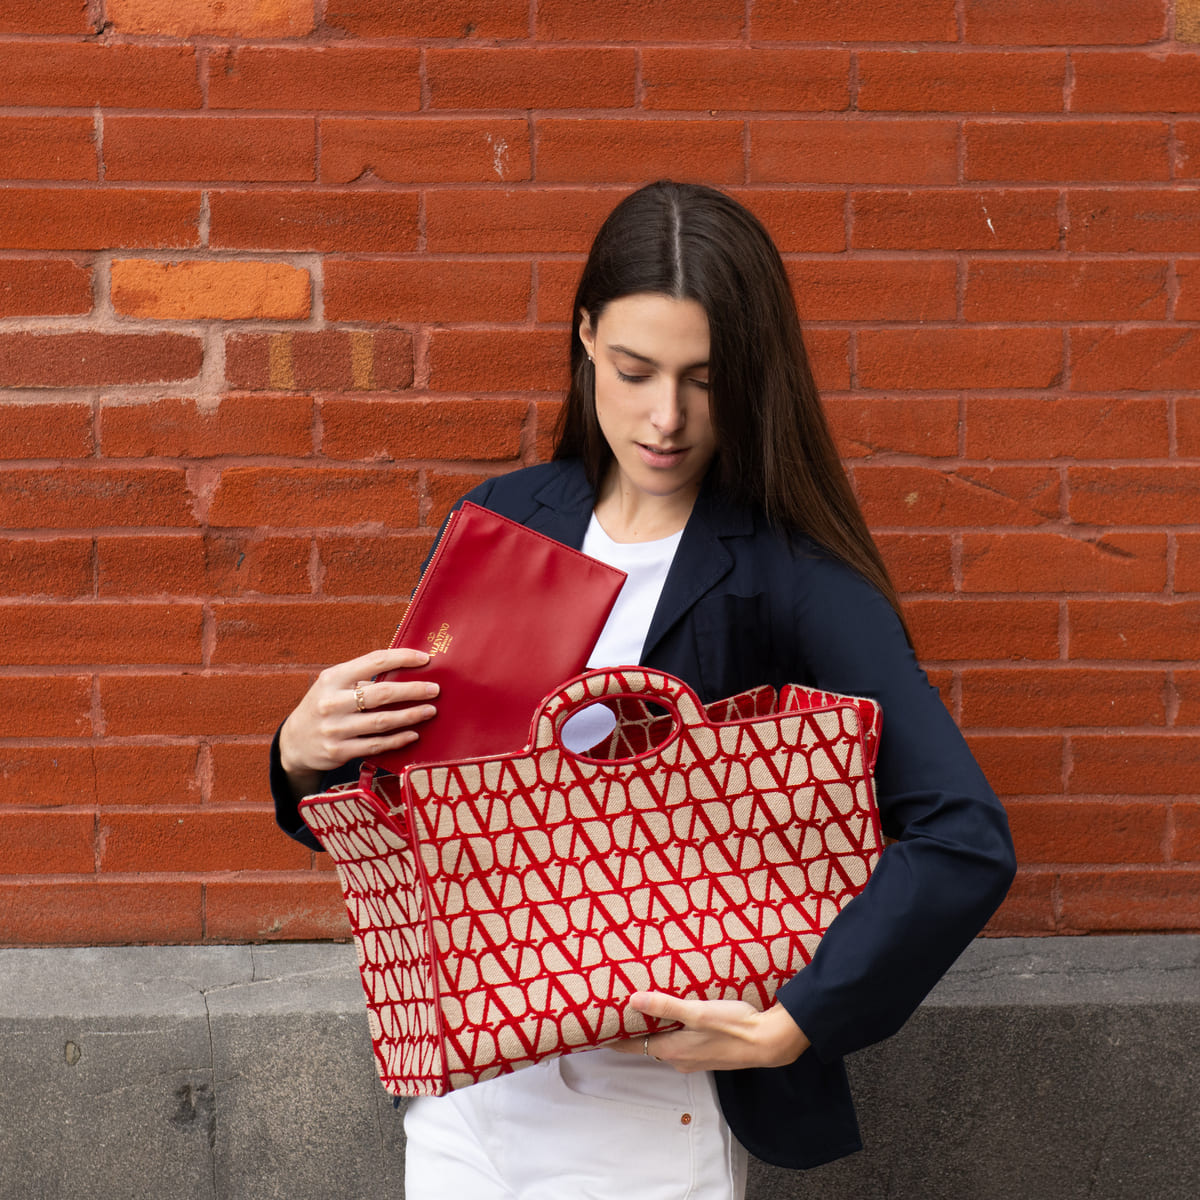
(745, 605)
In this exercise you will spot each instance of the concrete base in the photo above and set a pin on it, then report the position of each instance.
(1040, 1068)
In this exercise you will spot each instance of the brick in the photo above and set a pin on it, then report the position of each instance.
(1144, 359)
(101, 219)
(195, 840)
(610, 150)
(1029, 907)
(46, 430)
(1187, 21)
(197, 290)
(429, 18)
(48, 148)
(46, 566)
(1053, 562)
(1187, 565)
(918, 562)
(966, 629)
(45, 706)
(444, 489)
(1187, 426)
(557, 280)
(1138, 764)
(875, 289)
(35, 360)
(372, 565)
(298, 498)
(1187, 296)
(237, 771)
(319, 360)
(479, 430)
(266, 910)
(754, 79)
(1080, 427)
(250, 149)
(849, 151)
(39, 73)
(921, 496)
(46, 843)
(146, 775)
(1064, 22)
(1085, 832)
(1124, 81)
(545, 428)
(829, 356)
(87, 497)
(628, 21)
(428, 150)
(1134, 495)
(272, 632)
(528, 77)
(47, 634)
(1029, 150)
(328, 221)
(1130, 901)
(955, 220)
(965, 81)
(45, 16)
(547, 220)
(230, 18)
(94, 912)
(1157, 222)
(940, 359)
(426, 290)
(845, 21)
(509, 360)
(1021, 764)
(866, 426)
(192, 705)
(1064, 290)
(47, 776)
(1134, 629)
(192, 565)
(31, 287)
(1187, 149)
(1185, 841)
(799, 221)
(1054, 697)
(328, 78)
(180, 428)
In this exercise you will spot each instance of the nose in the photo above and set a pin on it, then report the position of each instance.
(667, 414)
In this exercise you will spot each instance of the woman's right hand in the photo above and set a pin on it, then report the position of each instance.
(332, 725)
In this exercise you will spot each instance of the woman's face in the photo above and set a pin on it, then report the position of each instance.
(651, 358)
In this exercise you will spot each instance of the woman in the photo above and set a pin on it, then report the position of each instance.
(694, 454)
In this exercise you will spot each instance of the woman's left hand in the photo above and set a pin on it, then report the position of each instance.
(717, 1035)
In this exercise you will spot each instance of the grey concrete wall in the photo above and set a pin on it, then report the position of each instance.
(1053, 1069)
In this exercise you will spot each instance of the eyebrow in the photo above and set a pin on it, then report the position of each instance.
(696, 366)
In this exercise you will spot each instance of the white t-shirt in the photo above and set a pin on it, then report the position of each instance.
(620, 644)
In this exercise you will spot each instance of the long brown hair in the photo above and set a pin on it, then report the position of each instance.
(775, 453)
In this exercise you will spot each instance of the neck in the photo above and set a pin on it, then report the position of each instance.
(628, 515)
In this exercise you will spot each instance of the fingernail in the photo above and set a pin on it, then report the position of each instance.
(432, 689)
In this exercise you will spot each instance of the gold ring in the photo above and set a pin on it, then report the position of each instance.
(646, 1045)
(360, 700)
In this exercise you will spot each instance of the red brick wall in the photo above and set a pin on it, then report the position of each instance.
(278, 280)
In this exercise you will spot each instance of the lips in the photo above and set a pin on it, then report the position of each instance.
(661, 456)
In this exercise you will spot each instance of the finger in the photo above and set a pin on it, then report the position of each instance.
(369, 695)
(348, 673)
(665, 1007)
(384, 722)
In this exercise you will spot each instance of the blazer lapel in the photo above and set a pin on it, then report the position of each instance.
(566, 503)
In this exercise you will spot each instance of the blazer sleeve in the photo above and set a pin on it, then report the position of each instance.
(952, 862)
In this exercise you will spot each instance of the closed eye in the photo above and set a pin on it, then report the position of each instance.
(630, 378)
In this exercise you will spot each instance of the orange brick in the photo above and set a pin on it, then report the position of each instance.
(1061, 697)
(1134, 495)
(320, 359)
(446, 488)
(546, 220)
(749, 79)
(921, 496)
(963, 629)
(353, 220)
(46, 566)
(91, 359)
(85, 497)
(1054, 290)
(956, 219)
(1162, 221)
(497, 361)
(1064, 22)
(1052, 562)
(977, 81)
(1021, 151)
(31, 287)
(271, 632)
(47, 843)
(96, 912)
(960, 357)
(224, 291)
(1080, 427)
(46, 430)
(97, 219)
(1128, 82)
(47, 634)
(557, 280)
(619, 20)
(230, 18)
(839, 21)
(918, 562)
(874, 289)
(47, 776)
(1029, 907)
(1084, 832)
(1021, 764)
(531, 77)
(45, 16)
(146, 775)
(372, 564)
(237, 771)
(1187, 21)
(321, 497)
(239, 424)
(429, 18)
(264, 910)
(45, 706)
(75, 74)
(1130, 900)
(48, 148)
(866, 426)
(1140, 630)
(1166, 764)
(799, 221)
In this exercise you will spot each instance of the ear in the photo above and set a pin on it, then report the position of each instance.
(587, 335)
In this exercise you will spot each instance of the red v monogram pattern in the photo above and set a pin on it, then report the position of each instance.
(505, 908)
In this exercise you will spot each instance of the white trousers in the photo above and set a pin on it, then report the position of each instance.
(597, 1125)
